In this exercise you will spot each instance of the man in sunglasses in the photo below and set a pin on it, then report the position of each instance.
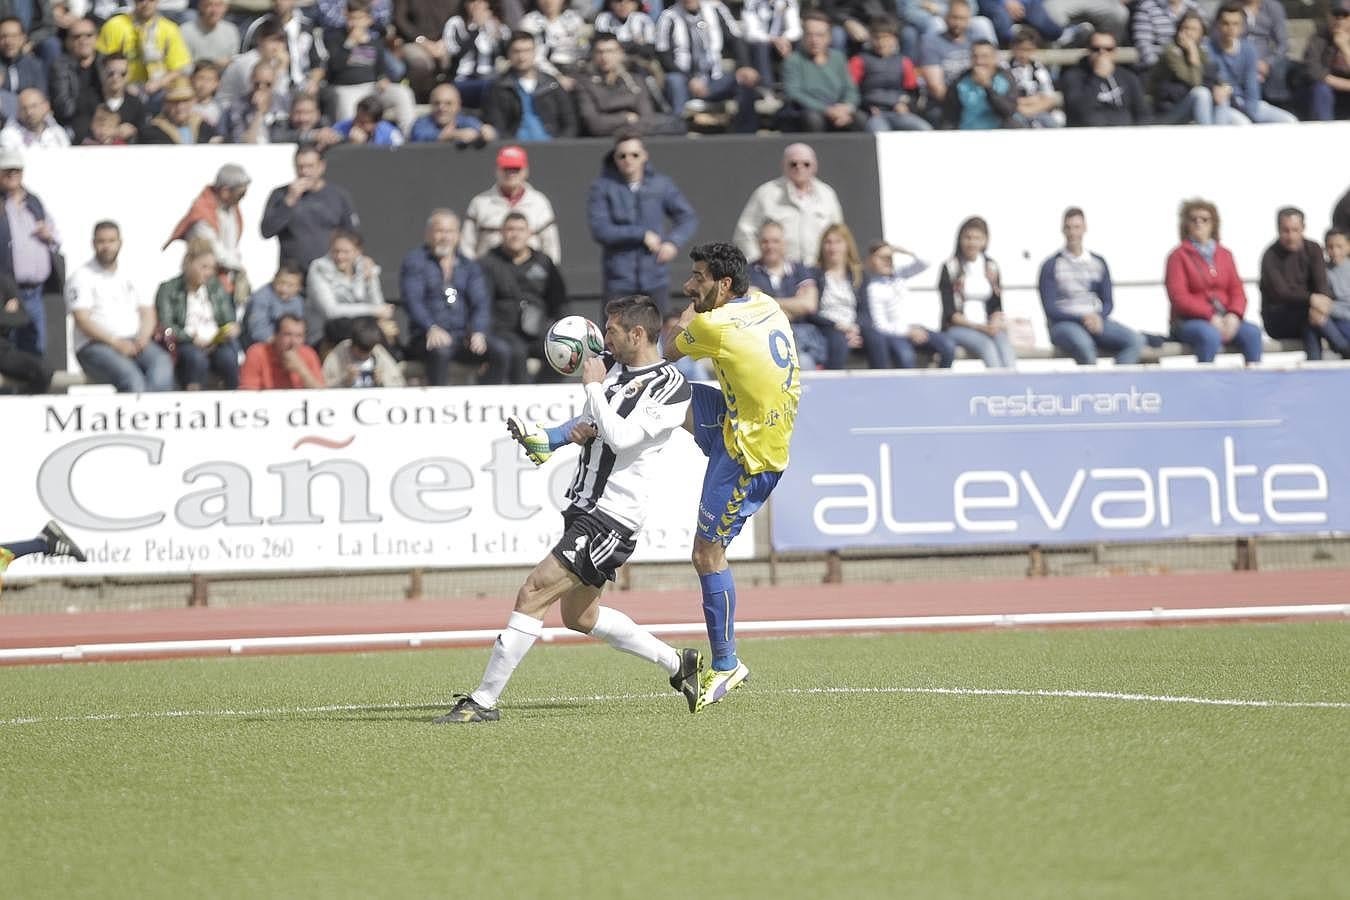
(640, 219)
(73, 80)
(1098, 92)
(797, 200)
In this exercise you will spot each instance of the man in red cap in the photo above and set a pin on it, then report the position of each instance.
(482, 226)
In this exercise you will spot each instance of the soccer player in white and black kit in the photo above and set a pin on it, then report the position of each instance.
(632, 408)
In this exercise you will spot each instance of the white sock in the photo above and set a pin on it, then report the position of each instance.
(622, 633)
(512, 644)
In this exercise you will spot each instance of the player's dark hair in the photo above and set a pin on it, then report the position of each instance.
(724, 261)
(1074, 212)
(516, 215)
(1335, 231)
(366, 333)
(107, 223)
(635, 310)
(816, 15)
(281, 319)
(518, 36)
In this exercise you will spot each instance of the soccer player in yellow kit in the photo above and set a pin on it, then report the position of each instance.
(743, 429)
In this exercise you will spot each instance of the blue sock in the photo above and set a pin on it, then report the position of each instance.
(719, 612)
(23, 548)
(558, 437)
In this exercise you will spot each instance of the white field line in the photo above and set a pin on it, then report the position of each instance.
(75, 652)
(525, 703)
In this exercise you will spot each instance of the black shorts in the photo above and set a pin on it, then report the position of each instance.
(593, 546)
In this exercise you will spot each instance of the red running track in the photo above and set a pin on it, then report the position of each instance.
(754, 604)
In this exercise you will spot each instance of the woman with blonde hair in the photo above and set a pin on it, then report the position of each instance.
(972, 298)
(1203, 287)
(839, 278)
(197, 318)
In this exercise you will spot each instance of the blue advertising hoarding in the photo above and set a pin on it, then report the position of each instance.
(1007, 458)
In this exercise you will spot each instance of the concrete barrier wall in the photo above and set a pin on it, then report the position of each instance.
(395, 190)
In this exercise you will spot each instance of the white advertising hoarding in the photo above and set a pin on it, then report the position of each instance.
(299, 480)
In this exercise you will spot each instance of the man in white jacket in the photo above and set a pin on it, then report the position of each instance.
(482, 226)
(799, 201)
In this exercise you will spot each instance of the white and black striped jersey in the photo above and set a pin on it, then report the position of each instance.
(635, 411)
(693, 42)
(474, 49)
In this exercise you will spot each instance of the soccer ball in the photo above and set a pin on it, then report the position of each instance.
(570, 340)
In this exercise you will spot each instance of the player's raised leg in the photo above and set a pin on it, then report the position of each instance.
(52, 540)
(581, 611)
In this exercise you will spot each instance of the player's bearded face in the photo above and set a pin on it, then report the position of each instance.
(702, 289)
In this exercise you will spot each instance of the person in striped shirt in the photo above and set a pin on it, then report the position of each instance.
(1075, 287)
(635, 401)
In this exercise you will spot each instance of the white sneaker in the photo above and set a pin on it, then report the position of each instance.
(713, 685)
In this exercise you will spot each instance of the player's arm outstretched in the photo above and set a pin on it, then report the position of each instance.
(539, 443)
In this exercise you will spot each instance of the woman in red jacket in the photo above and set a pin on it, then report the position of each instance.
(1208, 302)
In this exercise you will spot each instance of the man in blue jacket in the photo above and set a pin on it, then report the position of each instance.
(1076, 293)
(640, 220)
(449, 306)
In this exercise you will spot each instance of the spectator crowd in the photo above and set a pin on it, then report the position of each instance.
(354, 71)
(481, 288)
(484, 284)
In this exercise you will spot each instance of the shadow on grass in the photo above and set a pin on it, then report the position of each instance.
(416, 715)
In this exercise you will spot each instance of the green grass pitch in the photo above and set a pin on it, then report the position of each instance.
(320, 776)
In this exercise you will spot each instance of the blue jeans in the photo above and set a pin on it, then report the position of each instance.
(1204, 340)
(497, 359)
(722, 86)
(149, 370)
(812, 348)
(897, 351)
(32, 338)
(1340, 328)
(997, 351)
(1082, 345)
(1036, 17)
(766, 62)
(890, 120)
(194, 364)
(1335, 336)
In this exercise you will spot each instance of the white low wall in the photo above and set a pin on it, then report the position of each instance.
(146, 190)
(251, 481)
(1130, 183)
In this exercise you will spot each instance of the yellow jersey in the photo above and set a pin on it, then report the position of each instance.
(150, 49)
(749, 342)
